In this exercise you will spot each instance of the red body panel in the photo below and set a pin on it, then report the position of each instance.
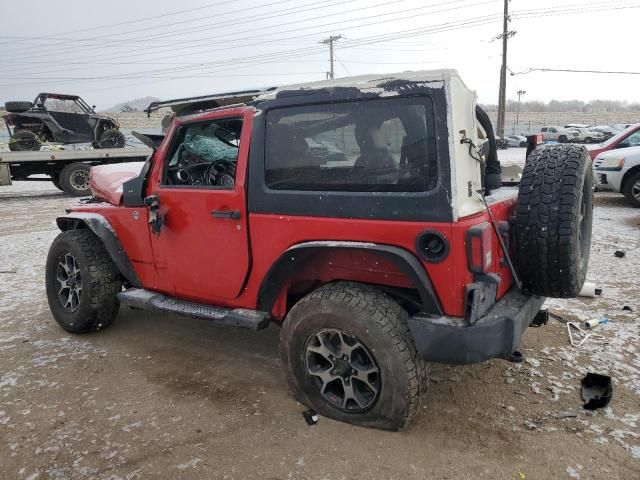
(200, 257)
(224, 261)
(106, 180)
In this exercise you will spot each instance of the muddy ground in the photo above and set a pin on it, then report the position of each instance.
(158, 396)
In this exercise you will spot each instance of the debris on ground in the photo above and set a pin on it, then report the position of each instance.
(619, 253)
(596, 322)
(311, 416)
(597, 390)
(589, 289)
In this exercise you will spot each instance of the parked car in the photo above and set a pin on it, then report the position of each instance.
(54, 117)
(627, 138)
(619, 171)
(502, 143)
(606, 130)
(372, 265)
(585, 135)
(558, 134)
(516, 141)
(621, 126)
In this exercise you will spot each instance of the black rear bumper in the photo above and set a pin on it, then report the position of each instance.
(495, 335)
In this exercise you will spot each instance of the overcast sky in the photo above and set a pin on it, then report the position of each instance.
(110, 52)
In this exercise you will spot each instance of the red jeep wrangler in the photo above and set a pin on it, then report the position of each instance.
(364, 216)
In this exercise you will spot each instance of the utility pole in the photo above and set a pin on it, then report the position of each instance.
(503, 70)
(520, 93)
(330, 41)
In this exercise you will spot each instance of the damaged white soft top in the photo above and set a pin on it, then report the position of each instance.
(368, 83)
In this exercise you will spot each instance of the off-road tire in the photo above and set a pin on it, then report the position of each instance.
(17, 107)
(74, 179)
(554, 215)
(631, 189)
(24, 141)
(563, 139)
(112, 138)
(101, 282)
(380, 325)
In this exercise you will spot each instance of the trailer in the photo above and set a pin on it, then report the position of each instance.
(68, 170)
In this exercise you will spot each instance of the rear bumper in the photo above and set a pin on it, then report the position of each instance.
(495, 335)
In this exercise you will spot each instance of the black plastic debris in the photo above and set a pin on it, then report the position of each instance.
(311, 416)
(598, 291)
(627, 308)
(597, 391)
(619, 253)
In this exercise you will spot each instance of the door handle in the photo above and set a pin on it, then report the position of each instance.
(229, 214)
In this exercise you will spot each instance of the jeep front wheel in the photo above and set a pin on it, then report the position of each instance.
(82, 282)
(554, 215)
(348, 353)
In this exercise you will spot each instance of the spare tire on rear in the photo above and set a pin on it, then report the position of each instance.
(17, 107)
(554, 214)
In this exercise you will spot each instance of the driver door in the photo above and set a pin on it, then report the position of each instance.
(202, 251)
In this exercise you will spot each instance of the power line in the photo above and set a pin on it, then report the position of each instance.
(100, 41)
(568, 70)
(182, 53)
(268, 58)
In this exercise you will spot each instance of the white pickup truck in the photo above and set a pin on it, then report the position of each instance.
(619, 171)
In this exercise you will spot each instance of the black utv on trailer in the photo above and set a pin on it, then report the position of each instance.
(53, 117)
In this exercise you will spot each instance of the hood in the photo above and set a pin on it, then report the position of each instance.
(621, 153)
(106, 180)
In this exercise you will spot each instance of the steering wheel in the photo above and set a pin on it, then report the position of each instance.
(221, 174)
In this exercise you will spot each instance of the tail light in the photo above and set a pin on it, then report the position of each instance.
(479, 248)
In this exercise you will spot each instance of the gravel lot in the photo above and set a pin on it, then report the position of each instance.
(158, 396)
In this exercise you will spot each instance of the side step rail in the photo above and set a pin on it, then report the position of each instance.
(237, 317)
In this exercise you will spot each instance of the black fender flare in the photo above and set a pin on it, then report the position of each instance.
(105, 232)
(294, 256)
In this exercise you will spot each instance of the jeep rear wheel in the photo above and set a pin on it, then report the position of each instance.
(74, 179)
(348, 353)
(563, 139)
(24, 140)
(631, 190)
(82, 282)
(554, 215)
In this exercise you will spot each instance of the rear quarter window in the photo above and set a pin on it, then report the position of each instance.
(381, 145)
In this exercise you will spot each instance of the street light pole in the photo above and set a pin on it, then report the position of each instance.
(520, 93)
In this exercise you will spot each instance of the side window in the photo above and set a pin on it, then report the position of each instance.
(553, 130)
(361, 146)
(544, 129)
(204, 155)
